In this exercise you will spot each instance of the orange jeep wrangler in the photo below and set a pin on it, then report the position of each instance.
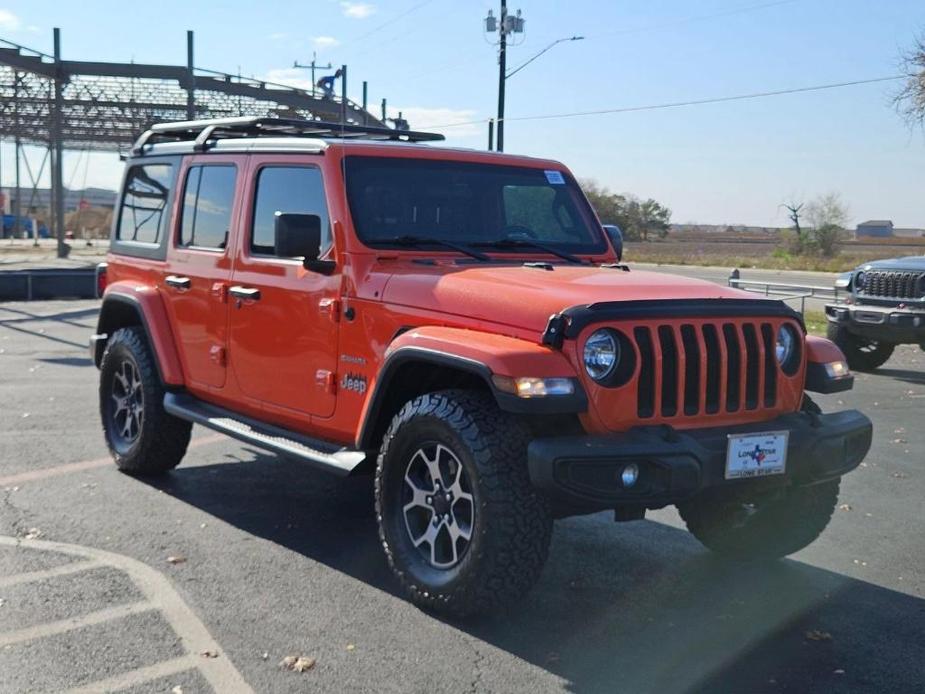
(459, 325)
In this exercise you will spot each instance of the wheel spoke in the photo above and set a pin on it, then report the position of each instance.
(457, 531)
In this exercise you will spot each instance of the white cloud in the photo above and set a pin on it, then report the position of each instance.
(323, 42)
(291, 77)
(423, 118)
(9, 21)
(278, 36)
(357, 10)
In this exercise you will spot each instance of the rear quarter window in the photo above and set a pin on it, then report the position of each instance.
(143, 212)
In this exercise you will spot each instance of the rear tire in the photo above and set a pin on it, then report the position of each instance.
(472, 535)
(862, 354)
(765, 526)
(142, 437)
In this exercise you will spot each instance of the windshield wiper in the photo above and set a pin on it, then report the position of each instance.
(524, 243)
(411, 240)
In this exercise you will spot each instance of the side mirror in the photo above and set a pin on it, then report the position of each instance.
(299, 236)
(616, 239)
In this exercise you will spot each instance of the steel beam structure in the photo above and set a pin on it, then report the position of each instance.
(69, 104)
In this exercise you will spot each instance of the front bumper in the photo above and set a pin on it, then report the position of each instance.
(904, 325)
(581, 474)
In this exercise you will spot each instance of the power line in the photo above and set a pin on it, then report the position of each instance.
(694, 102)
(413, 8)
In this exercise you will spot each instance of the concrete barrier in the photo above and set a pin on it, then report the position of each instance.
(48, 283)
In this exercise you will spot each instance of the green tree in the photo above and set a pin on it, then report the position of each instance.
(828, 216)
(638, 219)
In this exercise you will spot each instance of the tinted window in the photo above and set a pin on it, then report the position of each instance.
(468, 203)
(207, 203)
(286, 189)
(144, 203)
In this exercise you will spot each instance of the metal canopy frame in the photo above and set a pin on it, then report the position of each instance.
(57, 104)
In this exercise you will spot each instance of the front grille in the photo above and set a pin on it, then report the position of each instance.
(894, 284)
(690, 369)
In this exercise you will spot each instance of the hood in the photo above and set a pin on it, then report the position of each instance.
(525, 297)
(910, 262)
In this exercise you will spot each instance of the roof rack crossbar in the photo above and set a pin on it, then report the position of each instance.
(202, 132)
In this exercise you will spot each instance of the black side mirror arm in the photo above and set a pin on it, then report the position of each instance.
(322, 267)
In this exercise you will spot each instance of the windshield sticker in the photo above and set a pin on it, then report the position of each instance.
(555, 178)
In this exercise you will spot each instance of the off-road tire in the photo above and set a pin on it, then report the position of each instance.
(791, 519)
(162, 438)
(862, 354)
(512, 527)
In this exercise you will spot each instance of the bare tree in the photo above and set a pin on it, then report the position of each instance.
(909, 101)
(828, 216)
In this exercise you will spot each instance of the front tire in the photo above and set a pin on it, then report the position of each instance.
(142, 437)
(862, 354)
(461, 525)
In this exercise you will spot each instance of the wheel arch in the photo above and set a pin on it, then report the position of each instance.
(126, 305)
(438, 358)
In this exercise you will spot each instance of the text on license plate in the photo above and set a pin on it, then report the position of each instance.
(756, 455)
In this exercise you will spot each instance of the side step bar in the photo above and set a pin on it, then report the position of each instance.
(340, 461)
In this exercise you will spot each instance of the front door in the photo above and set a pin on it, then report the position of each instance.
(283, 318)
(199, 262)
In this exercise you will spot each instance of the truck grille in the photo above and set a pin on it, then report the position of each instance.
(692, 369)
(894, 285)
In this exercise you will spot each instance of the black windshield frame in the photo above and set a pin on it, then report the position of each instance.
(485, 184)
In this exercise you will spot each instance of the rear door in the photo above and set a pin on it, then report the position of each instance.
(283, 342)
(199, 266)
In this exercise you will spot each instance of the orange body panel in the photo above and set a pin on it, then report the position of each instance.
(285, 357)
(822, 351)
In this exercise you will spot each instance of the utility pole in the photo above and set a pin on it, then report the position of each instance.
(504, 25)
(312, 66)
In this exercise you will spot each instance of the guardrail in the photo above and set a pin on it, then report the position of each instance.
(786, 291)
(49, 283)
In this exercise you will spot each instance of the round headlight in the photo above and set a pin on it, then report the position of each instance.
(786, 344)
(859, 281)
(602, 352)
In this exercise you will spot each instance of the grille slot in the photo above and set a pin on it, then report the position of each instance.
(689, 369)
(894, 284)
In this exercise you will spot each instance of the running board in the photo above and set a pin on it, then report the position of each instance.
(340, 461)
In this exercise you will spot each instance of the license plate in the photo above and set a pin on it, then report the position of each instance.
(756, 455)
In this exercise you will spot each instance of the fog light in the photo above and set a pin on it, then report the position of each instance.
(629, 475)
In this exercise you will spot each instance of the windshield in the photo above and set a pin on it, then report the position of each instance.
(471, 204)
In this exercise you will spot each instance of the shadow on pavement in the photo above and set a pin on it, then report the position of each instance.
(20, 317)
(907, 375)
(629, 607)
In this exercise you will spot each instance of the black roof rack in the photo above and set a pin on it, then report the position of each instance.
(203, 132)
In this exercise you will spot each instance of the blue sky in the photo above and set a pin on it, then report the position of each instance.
(731, 162)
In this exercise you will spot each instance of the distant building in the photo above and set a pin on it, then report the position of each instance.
(877, 228)
(41, 199)
(908, 232)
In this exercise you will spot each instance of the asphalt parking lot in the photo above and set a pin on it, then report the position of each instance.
(206, 579)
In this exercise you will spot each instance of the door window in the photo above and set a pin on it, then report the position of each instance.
(208, 199)
(286, 189)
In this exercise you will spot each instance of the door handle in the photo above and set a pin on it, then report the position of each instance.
(239, 292)
(178, 282)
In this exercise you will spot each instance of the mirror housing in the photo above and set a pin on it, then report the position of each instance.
(299, 236)
(616, 239)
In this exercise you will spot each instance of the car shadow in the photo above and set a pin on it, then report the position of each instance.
(907, 375)
(633, 607)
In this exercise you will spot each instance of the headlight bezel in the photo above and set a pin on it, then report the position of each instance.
(789, 362)
(624, 366)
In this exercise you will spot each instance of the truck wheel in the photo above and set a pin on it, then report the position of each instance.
(862, 354)
(762, 526)
(142, 437)
(462, 527)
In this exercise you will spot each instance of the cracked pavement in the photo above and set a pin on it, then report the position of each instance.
(274, 559)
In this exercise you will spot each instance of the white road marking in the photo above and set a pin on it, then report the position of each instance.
(68, 468)
(139, 676)
(39, 631)
(64, 570)
(159, 595)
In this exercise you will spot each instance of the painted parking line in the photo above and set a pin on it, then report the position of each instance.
(158, 595)
(33, 576)
(70, 468)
